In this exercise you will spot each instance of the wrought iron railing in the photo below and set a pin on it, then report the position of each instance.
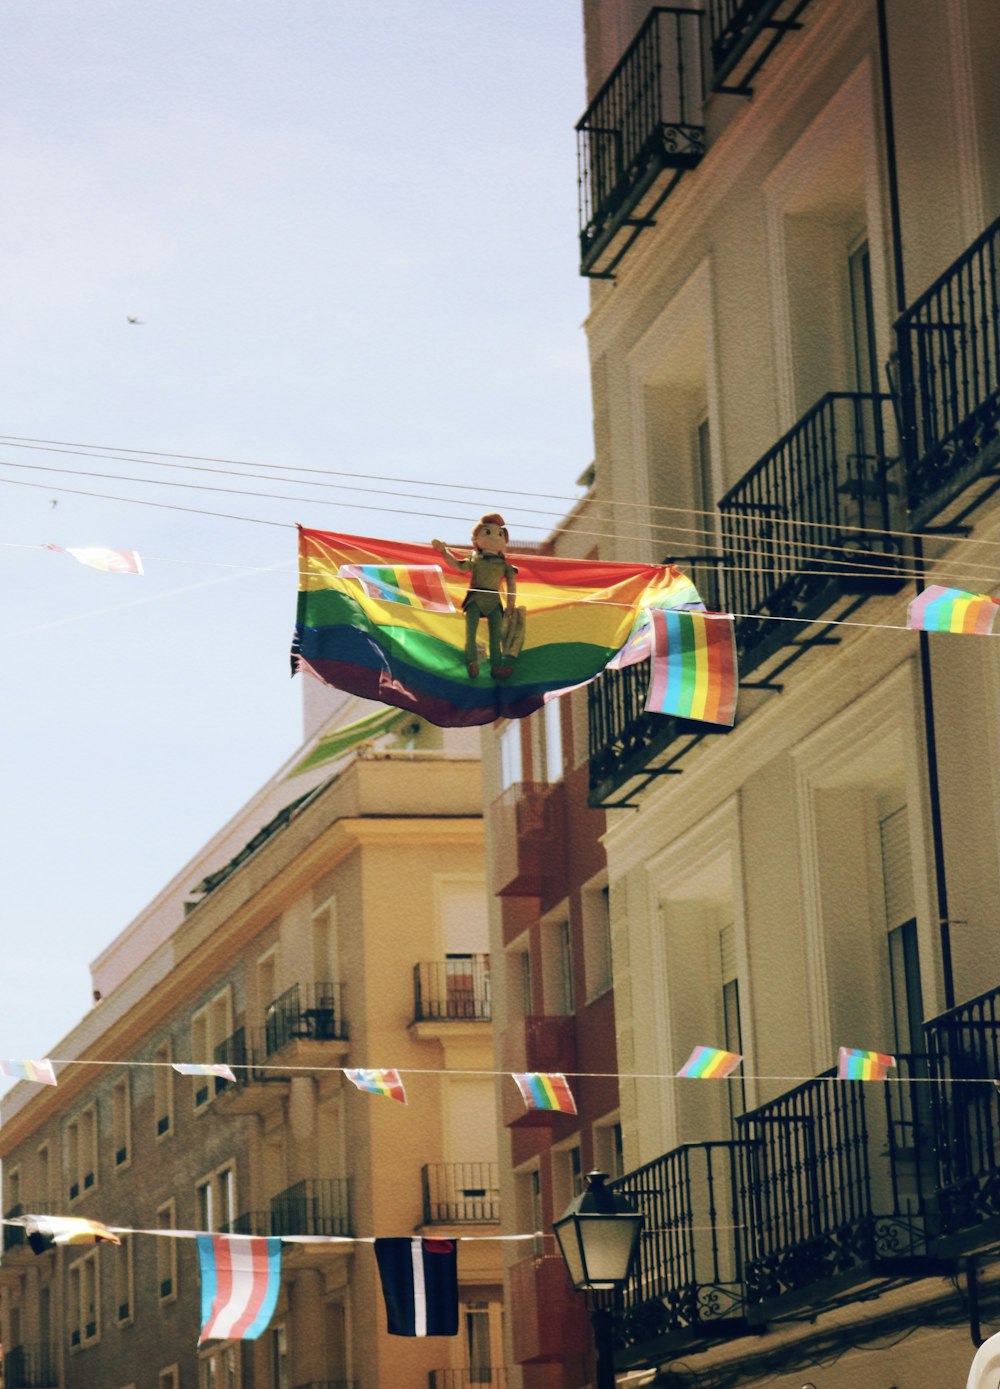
(314, 1012)
(485, 1377)
(688, 1273)
(749, 29)
(30, 1367)
(457, 1192)
(241, 1052)
(644, 121)
(964, 1046)
(318, 1206)
(949, 378)
(457, 988)
(837, 1177)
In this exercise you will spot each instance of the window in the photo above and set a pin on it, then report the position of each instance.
(524, 962)
(81, 1152)
(267, 981)
(170, 1378)
(477, 1342)
(706, 520)
(83, 1311)
(124, 1281)
(557, 968)
(210, 1027)
(551, 752)
(279, 1358)
(535, 1201)
(608, 1151)
(44, 1175)
(732, 1027)
(324, 943)
(163, 1091)
(568, 1176)
(596, 904)
(121, 1122)
(511, 767)
(219, 1369)
(217, 1200)
(14, 1190)
(166, 1253)
(906, 992)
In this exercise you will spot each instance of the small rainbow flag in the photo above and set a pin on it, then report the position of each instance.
(415, 585)
(385, 1083)
(192, 1068)
(545, 1090)
(710, 1063)
(694, 666)
(853, 1064)
(39, 1071)
(940, 609)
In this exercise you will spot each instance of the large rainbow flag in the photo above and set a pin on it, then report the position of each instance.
(578, 616)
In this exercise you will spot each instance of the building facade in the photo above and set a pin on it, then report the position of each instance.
(341, 920)
(790, 215)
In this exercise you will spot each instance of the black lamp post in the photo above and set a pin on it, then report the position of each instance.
(598, 1238)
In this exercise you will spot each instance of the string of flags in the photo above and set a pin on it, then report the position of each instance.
(100, 557)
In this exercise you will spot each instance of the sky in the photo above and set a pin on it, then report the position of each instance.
(349, 232)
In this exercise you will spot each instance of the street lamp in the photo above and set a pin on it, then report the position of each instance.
(598, 1238)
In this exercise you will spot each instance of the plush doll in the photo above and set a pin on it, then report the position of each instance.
(489, 571)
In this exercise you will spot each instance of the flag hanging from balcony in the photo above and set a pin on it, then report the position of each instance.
(710, 1063)
(420, 1285)
(384, 638)
(853, 1064)
(385, 1083)
(694, 666)
(240, 1279)
(940, 609)
(44, 1231)
(545, 1090)
(192, 1068)
(40, 1072)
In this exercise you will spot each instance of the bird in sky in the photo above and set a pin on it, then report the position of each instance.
(130, 319)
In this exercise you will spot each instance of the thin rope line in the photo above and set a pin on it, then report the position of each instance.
(142, 501)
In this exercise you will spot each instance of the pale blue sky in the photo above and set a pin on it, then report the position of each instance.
(350, 231)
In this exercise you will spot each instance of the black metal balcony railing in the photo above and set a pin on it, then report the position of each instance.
(949, 377)
(30, 1367)
(964, 1046)
(319, 1206)
(457, 1192)
(750, 30)
(641, 125)
(457, 988)
(313, 1013)
(836, 1182)
(485, 1377)
(687, 1278)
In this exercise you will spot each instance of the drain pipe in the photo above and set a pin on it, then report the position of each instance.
(926, 681)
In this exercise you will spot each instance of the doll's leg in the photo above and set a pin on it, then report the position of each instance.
(500, 668)
(471, 631)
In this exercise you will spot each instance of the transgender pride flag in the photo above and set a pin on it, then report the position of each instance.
(240, 1278)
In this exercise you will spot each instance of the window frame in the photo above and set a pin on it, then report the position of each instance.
(163, 1090)
(166, 1251)
(121, 1110)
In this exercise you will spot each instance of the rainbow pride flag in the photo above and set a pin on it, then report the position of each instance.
(545, 1090)
(940, 609)
(385, 1083)
(40, 1072)
(853, 1064)
(578, 616)
(710, 1063)
(694, 666)
(416, 585)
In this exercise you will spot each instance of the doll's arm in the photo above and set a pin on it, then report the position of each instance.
(511, 575)
(463, 563)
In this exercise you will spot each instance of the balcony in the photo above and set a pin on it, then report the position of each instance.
(255, 1088)
(319, 1206)
(537, 1043)
(949, 381)
(456, 989)
(457, 1193)
(742, 36)
(305, 1015)
(527, 824)
(803, 534)
(837, 1189)
(964, 1046)
(484, 1377)
(551, 1322)
(30, 1367)
(639, 136)
(687, 1281)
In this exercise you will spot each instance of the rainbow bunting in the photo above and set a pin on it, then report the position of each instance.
(385, 1083)
(545, 1090)
(940, 609)
(192, 1068)
(694, 666)
(416, 585)
(710, 1063)
(578, 614)
(40, 1072)
(854, 1064)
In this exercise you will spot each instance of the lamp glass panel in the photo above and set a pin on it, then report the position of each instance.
(569, 1247)
(607, 1243)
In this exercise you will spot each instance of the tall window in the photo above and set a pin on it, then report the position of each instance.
(83, 1310)
(608, 1150)
(706, 528)
(166, 1253)
(905, 989)
(219, 1369)
(44, 1174)
(566, 966)
(121, 1121)
(732, 1026)
(477, 1342)
(217, 1200)
(163, 1090)
(552, 726)
(81, 1152)
(511, 767)
(210, 1027)
(124, 1297)
(596, 905)
(527, 990)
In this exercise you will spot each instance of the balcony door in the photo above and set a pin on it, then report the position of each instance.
(866, 453)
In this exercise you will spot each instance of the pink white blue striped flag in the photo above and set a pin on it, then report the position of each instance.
(193, 1068)
(240, 1280)
(39, 1071)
